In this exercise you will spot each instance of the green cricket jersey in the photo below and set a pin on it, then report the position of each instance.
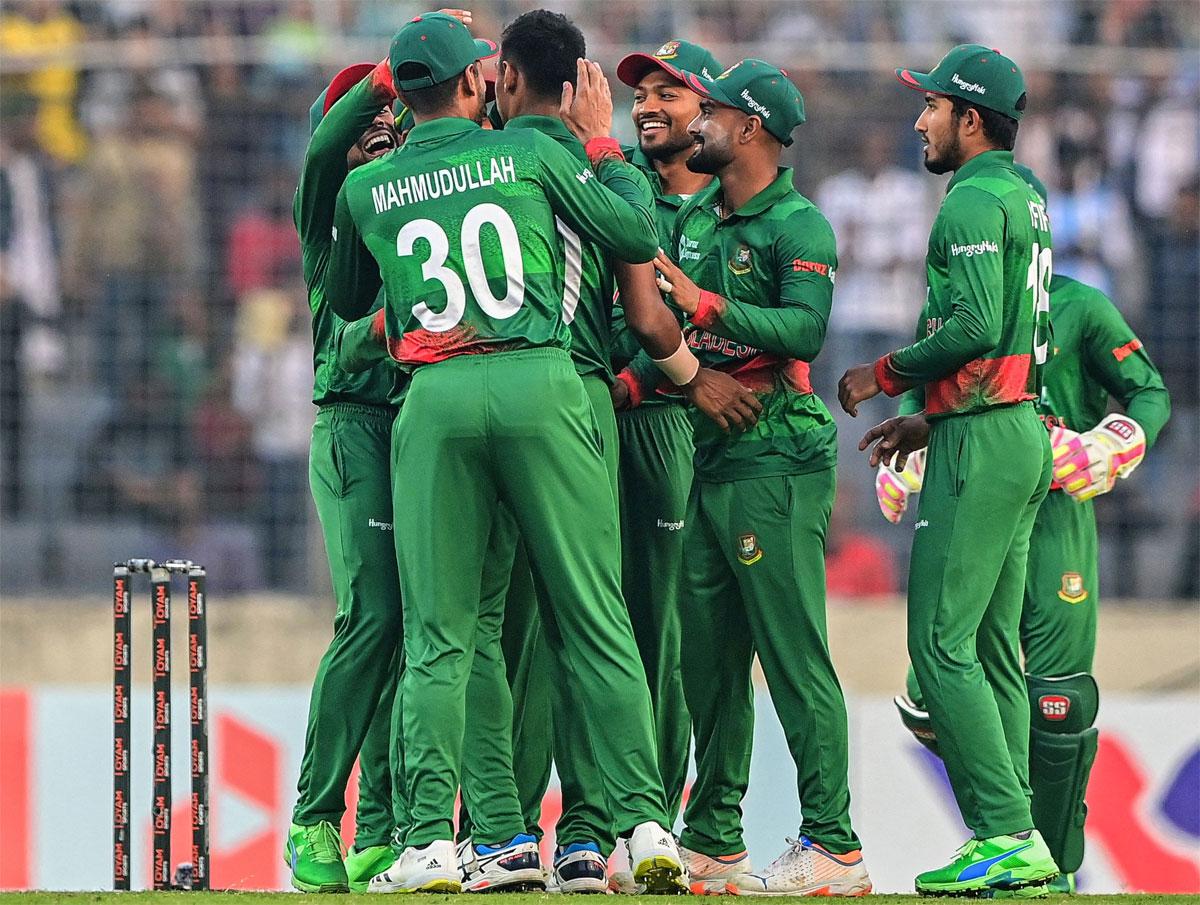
(459, 226)
(321, 178)
(773, 262)
(588, 282)
(985, 320)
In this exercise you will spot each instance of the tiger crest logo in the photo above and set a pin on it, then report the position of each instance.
(1072, 590)
(749, 552)
(668, 51)
(739, 264)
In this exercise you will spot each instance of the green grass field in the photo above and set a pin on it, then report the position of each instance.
(283, 898)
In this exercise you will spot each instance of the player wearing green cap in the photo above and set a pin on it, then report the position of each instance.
(977, 362)
(755, 277)
(1094, 357)
(350, 710)
(459, 227)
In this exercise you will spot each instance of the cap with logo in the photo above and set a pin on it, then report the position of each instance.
(440, 44)
(759, 89)
(975, 73)
(674, 58)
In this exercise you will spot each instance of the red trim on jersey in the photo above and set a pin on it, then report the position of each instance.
(1120, 353)
(599, 150)
(711, 307)
(379, 328)
(636, 394)
(758, 374)
(994, 380)
(885, 375)
(422, 347)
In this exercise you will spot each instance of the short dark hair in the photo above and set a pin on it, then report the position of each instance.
(999, 129)
(429, 100)
(544, 46)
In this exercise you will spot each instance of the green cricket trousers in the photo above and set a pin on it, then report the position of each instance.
(512, 429)
(754, 582)
(351, 706)
(986, 474)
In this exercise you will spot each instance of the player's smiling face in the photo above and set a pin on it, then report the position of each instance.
(938, 127)
(379, 138)
(713, 131)
(662, 110)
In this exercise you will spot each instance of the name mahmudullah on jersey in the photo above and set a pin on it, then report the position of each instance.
(439, 183)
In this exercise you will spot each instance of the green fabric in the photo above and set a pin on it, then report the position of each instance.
(350, 709)
(472, 214)
(321, 178)
(516, 430)
(1095, 355)
(975, 73)
(985, 314)
(655, 478)
(985, 477)
(589, 285)
(441, 44)
(773, 261)
(757, 89)
(755, 583)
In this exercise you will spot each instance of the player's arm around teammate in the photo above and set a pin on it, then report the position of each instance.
(755, 276)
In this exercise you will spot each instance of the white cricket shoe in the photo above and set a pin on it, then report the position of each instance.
(656, 861)
(579, 868)
(620, 874)
(707, 875)
(515, 866)
(806, 869)
(433, 868)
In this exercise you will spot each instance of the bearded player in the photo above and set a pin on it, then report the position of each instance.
(1095, 357)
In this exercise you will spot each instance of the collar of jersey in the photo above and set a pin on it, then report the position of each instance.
(980, 162)
(547, 125)
(442, 127)
(779, 189)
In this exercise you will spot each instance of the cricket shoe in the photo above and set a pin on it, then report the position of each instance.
(806, 869)
(1019, 866)
(361, 866)
(433, 868)
(656, 861)
(620, 874)
(314, 854)
(708, 875)
(514, 866)
(579, 868)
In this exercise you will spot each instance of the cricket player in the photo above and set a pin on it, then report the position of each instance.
(459, 226)
(350, 709)
(1094, 357)
(755, 273)
(987, 468)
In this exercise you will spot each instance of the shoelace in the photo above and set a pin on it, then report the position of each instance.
(324, 843)
(966, 849)
(795, 847)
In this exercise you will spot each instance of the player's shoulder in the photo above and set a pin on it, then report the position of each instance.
(1070, 296)
(799, 218)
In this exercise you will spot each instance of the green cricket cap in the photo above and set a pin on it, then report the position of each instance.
(976, 73)
(759, 89)
(1029, 176)
(439, 43)
(674, 58)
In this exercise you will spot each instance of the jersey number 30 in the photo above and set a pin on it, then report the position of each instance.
(434, 267)
(1038, 283)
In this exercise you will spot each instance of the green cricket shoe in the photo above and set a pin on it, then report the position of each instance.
(362, 866)
(314, 854)
(1005, 866)
(1062, 885)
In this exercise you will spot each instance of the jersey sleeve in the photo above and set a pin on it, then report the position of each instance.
(805, 261)
(611, 208)
(973, 227)
(1118, 360)
(352, 279)
(361, 344)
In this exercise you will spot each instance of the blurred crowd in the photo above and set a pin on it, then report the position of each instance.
(155, 355)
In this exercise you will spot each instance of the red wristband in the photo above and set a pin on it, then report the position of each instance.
(710, 307)
(635, 392)
(379, 327)
(888, 380)
(601, 149)
(381, 81)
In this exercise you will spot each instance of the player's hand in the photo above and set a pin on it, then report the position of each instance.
(899, 437)
(674, 282)
(1088, 464)
(857, 385)
(462, 15)
(586, 107)
(723, 400)
(620, 395)
(893, 488)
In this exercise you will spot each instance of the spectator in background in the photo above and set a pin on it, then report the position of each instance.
(1172, 324)
(135, 252)
(857, 563)
(262, 250)
(272, 383)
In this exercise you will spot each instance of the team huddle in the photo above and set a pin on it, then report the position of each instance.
(573, 478)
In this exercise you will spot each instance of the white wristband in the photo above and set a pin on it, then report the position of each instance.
(681, 366)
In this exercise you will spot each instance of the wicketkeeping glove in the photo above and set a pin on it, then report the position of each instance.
(1088, 464)
(892, 488)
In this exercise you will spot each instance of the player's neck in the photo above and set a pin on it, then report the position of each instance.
(744, 178)
(676, 178)
(536, 107)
